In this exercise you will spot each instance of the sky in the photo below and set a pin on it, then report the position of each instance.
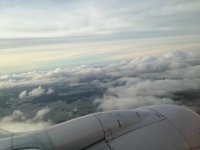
(39, 35)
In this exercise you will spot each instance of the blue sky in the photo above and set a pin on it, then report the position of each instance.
(36, 35)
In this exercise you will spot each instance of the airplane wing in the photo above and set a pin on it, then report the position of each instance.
(149, 128)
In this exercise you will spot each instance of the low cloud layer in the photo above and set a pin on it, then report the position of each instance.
(17, 121)
(154, 80)
(171, 78)
(137, 93)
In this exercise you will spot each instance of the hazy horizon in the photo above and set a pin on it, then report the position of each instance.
(41, 35)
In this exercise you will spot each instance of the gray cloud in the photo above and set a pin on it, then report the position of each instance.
(153, 80)
(172, 78)
(143, 93)
(114, 29)
(50, 91)
(98, 20)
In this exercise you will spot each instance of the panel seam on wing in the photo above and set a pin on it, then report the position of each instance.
(50, 140)
(100, 124)
(190, 147)
(99, 120)
(136, 129)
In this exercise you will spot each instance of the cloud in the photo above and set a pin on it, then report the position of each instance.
(36, 92)
(18, 122)
(75, 109)
(172, 77)
(153, 80)
(50, 91)
(23, 95)
(97, 18)
(40, 114)
(113, 29)
(143, 93)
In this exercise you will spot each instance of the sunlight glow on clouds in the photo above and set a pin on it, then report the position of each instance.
(46, 34)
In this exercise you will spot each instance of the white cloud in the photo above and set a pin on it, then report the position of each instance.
(50, 91)
(143, 93)
(123, 27)
(23, 95)
(142, 80)
(36, 92)
(152, 80)
(40, 114)
(95, 17)
(17, 121)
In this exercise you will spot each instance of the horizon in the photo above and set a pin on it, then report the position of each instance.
(41, 35)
